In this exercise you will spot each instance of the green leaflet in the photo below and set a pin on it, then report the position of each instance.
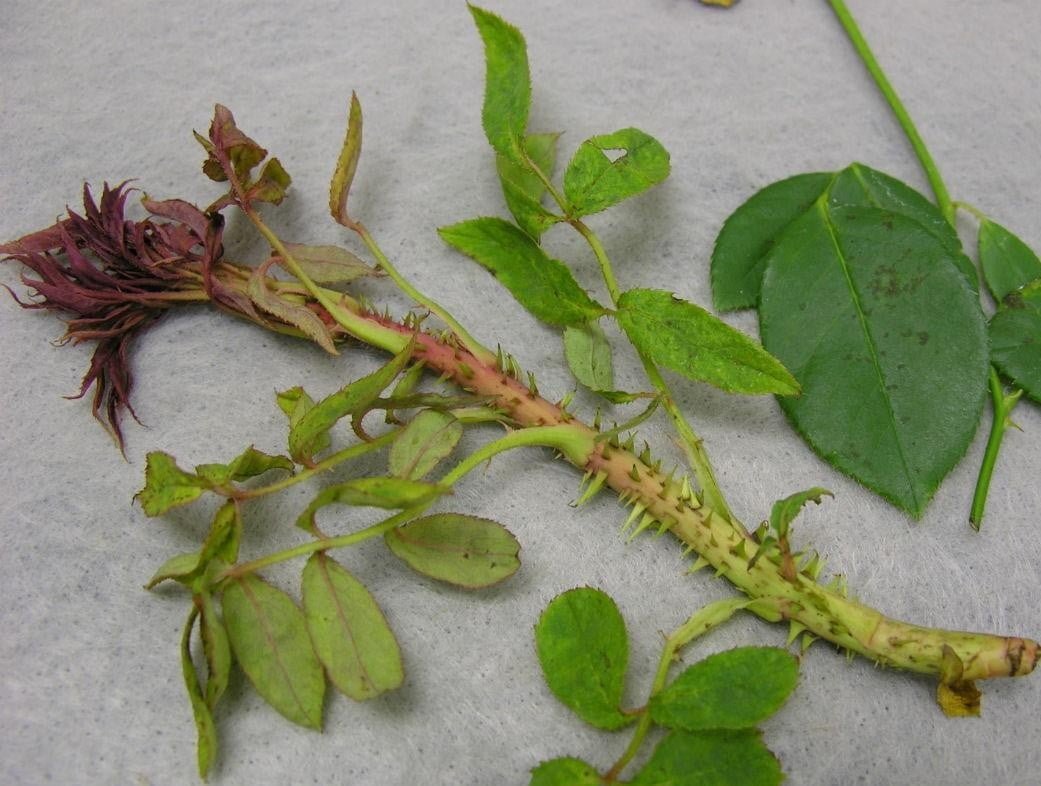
(784, 511)
(216, 648)
(1015, 339)
(596, 179)
(330, 264)
(886, 337)
(206, 730)
(507, 92)
(1008, 263)
(711, 758)
(295, 403)
(584, 651)
(222, 541)
(271, 184)
(523, 189)
(269, 637)
(687, 339)
(751, 231)
(588, 355)
(541, 284)
(736, 689)
(295, 314)
(428, 438)
(376, 492)
(312, 427)
(465, 551)
(250, 463)
(167, 485)
(564, 772)
(178, 568)
(346, 163)
(350, 634)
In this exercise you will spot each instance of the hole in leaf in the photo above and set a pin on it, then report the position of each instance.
(614, 153)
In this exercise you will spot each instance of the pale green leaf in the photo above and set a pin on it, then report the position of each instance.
(167, 485)
(886, 337)
(206, 730)
(687, 339)
(710, 758)
(350, 634)
(608, 169)
(296, 314)
(523, 189)
(736, 689)
(329, 265)
(541, 284)
(427, 439)
(507, 91)
(377, 492)
(180, 568)
(215, 647)
(584, 652)
(565, 772)
(269, 637)
(1008, 263)
(588, 355)
(346, 163)
(222, 541)
(462, 550)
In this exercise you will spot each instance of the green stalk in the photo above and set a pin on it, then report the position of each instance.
(1001, 403)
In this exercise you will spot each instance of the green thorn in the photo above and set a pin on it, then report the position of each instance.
(794, 630)
(634, 474)
(807, 640)
(533, 389)
(634, 514)
(596, 420)
(699, 563)
(592, 489)
(629, 444)
(647, 520)
(645, 454)
(465, 370)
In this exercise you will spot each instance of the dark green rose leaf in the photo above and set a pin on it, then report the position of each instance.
(312, 428)
(584, 651)
(710, 758)
(1008, 263)
(565, 772)
(737, 689)
(687, 339)
(377, 492)
(462, 550)
(608, 169)
(269, 637)
(1015, 339)
(750, 233)
(507, 91)
(167, 485)
(428, 438)
(886, 337)
(523, 189)
(350, 634)
(541, 284)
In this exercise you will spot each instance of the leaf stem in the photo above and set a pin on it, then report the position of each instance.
(932, 172)
(1004, 403)
(701, 622)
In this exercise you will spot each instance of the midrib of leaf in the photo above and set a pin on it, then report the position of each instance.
(872, 349)
(445, 548)
(271, 643)
(343, 619)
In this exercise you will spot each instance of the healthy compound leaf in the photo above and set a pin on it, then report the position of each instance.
(523, 189)
(736, 689)
(1008, 263)
(608, 169)
(428, 438)
(269, 636)
(886, 337)
(465, 551)
(507, 93)
(687, 339)
(350, 634)
(541, 284)
(376, 492)
(584, 651)
(710, 758)
(1015, 339)
(565, 772)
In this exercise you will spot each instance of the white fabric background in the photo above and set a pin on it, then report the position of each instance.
(90, 690)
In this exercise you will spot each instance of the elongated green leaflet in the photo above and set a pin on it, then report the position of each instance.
(1008, 263)
(295, 314)
(466, 551)
(608, 169)
(886, 337)
(588, 355)
(687, 339)
(428, 438)
(584, 651)
(1015, 339)
(350, 634)
(751, 231)
(565, 772)
(312, 427)
(178, 568)
(206, 743)
(346, 163)
(523, 189)
(269, 637)
(507, 92)
(541, 284)
(329, 265)
(248, 464)
(215, 647)
(710, 758)
(737, 689)
(375, 492)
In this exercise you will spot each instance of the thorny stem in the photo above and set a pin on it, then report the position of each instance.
(701, 622)
(1000, 402)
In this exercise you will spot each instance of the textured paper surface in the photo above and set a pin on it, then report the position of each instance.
(90, 690)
